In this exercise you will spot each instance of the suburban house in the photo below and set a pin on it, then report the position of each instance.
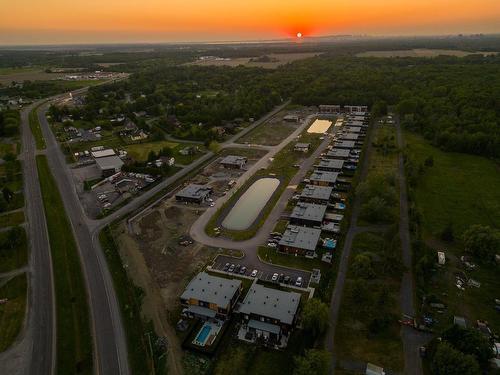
(233, 161)
(299, 240)
(338, 153)
(194, 193)
(210, 297)
(268, 315)
(323, 178)
(330, 165)
(316, 194)
(302, 147)
(308, 214)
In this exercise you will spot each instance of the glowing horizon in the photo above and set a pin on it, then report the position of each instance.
(92, 21)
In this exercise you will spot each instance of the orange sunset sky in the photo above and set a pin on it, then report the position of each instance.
(104, 21)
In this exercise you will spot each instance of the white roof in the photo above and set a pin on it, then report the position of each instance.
(103, 153)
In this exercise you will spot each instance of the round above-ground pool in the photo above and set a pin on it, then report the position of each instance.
(250, 204)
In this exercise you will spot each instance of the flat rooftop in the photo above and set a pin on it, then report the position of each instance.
(300, 237)
(338, 153)
(355, 123)
(109, 162)
(102, 153)
(353, 129)
(331, 163)
(317, 192)
(344, 144)
(194, 191)
(309, 211)
(234, 159)
(271, 303)
(349, 136)
(326, 176)
(211, 289)
(302, 145)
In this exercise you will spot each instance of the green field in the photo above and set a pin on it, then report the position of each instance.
(74, 340)
(130, 299)
(11, 219)
(15, 255)
(36, 129)
(269, 133)
(140, 151)
(459, 189)
(13, 312)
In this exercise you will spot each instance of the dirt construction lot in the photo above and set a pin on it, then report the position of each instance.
(275, 60)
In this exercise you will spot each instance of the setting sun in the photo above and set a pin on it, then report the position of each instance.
(299, 35)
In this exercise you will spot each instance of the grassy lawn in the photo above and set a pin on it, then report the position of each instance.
(12, 313)
(11, 219)
(36, 129)
(459, 189)
(6, 148)
(140, 151)
(281, 167)
(270, 255)
(15, 257)
(355, 337)
(74, 341)
(269, 133)
(130, 298)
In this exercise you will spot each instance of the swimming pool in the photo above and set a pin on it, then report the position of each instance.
(202, 336)
(249, 205)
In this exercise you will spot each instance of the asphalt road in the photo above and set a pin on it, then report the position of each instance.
(34, 353)
(110, 350)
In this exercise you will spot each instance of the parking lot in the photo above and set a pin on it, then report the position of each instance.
(265, 271)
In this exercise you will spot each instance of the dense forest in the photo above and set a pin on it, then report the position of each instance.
(454, 102)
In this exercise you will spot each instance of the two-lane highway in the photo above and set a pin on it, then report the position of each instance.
(110, 350)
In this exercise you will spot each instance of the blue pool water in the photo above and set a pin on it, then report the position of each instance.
(203, 334)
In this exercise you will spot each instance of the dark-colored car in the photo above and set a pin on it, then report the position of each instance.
(286, 280)
(226, 266)
(243, 270)
(237, 268)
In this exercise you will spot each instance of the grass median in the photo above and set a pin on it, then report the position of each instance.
(74, 340)
(12, 312)
(130, 299)
(36, 129)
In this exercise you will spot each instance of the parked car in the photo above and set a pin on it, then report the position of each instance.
(281, 277)
(226, 266)
(231, 268)
(286, 280)
(271, 244)
(237, 268)
(299, 281)
(243, 270)
(254, 273)
(275, 277)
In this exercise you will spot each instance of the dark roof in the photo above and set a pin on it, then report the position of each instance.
(300, 237)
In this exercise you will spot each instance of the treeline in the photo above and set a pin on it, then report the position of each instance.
(454, 102)
(9, 123)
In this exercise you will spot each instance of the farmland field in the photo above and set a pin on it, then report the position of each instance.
(421, 52)
(276, 60)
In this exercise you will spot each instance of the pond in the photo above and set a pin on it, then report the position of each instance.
(319, 126)
(250, 204)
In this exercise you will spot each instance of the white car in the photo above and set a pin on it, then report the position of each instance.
(275, 277)
(254, 273)
(271, 244)
(299, 281)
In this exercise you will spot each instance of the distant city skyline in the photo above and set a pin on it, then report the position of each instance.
(156, 21)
